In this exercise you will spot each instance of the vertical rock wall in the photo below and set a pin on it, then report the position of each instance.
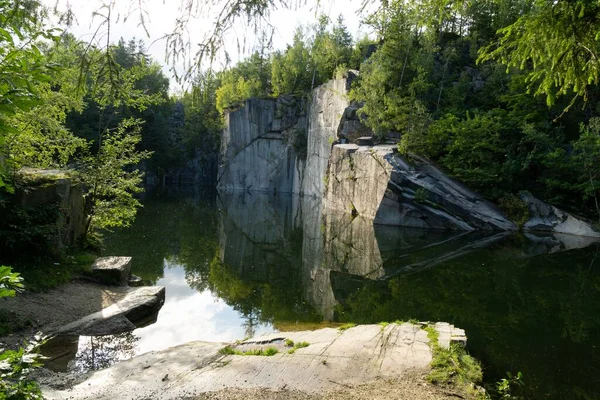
(280, 146)
(262, 146)
(329, 101)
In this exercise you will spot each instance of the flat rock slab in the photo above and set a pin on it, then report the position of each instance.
(332, 360)
(119, 317)
(112, 270)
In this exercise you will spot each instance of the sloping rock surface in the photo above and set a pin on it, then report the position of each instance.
(375, 182)
(120, 317)
(547, 218)
(332, 358)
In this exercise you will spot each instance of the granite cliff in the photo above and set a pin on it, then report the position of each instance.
(320, 148)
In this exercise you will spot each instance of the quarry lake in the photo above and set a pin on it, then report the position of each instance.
(239, 264)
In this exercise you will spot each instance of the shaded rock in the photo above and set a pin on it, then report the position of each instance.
(112, 270)
(48, 187)
(135, 281)
(365, 141)
(547, 218)
(119, 317)
(377, 183)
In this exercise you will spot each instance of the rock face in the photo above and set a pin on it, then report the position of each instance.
(271, 145)
(547, 218)
(375, 182)
(357, 355)
(55, 188)
(263, 146)
(329, 104)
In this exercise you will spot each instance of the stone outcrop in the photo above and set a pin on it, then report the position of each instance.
(547, 218)
(123, 316)
(376, 182)
(329, 104)
(333, 358)
(55, 188)
(280, 146)
(263, 146)
(326, 152)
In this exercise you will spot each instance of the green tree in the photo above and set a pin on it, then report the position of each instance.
(587, 159)
(557, 43)
(112, 178)
(16, 365)
(291, 69)
(330, 49)
(248, 78)
(23, 66)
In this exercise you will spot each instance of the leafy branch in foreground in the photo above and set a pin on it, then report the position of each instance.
(10, 282)
(16, 365)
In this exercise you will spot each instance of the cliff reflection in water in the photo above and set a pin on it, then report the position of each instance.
(239, 264)
(529, 303)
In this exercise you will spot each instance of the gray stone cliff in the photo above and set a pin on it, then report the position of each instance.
(323, 150)
(262, 145)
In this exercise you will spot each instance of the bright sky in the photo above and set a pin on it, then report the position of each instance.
(162, 15)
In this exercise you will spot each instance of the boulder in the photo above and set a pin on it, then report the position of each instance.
(122, 316)
(112, 270)
(547, 218)
(59, 188)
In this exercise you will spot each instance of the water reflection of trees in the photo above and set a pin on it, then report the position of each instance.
(98, 352)
(175, 228)
(278, 298)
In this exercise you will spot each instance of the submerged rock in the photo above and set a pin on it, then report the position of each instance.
(376, 182)
(547, 218)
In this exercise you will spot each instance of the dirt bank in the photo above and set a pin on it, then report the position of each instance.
(411, 386)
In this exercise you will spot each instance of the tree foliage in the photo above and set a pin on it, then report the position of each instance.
(557, 44)
(112, 177)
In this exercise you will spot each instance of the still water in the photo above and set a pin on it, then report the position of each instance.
(237, 265)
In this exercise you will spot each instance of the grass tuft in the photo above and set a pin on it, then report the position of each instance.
(452, 366)
(297, 346)
(269, 351)
(345, 326)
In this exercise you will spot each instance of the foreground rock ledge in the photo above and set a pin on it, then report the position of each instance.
(120, 317)
(333, 359)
